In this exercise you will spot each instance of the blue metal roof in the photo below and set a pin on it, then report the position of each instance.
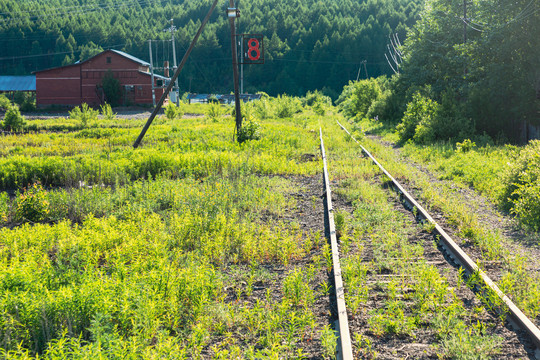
(17, 83)
(131, 57)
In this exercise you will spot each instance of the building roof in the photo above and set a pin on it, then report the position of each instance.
(131, 57)
(17, 83)
(121, 53)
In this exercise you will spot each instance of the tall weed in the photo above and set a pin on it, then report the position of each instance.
(85, 114)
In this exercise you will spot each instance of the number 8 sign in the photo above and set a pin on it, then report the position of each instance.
(253, 49)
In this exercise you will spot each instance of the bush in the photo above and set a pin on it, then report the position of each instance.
(287, 106)
(249, 131)
(417, 121)
(173, 112)
(522, 193)
(214, 111)
(4, 102)
(26, 101)
(263, 108)
(107, 112)
(32, 205)
(317, 101)
(319, 108)
(13, 120)
(312, 98)
(426, 121)
(357, 98)
(84, 114)
(465, 146)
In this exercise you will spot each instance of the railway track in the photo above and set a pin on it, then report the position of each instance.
(344, 350)
(501, 303)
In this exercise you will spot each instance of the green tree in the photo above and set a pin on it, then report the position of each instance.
(111, 88)
(358, 96)
(13, 120)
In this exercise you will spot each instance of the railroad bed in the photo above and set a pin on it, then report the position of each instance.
(410, 290)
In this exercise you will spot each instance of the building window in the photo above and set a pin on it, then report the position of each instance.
(109, 60)
(159, 83)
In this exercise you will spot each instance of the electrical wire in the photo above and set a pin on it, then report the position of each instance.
(79, 10)
(11, 58)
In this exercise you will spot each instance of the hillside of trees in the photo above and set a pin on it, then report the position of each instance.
(309, 44)
(465, 72)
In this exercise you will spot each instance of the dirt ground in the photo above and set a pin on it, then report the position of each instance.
(131, 112)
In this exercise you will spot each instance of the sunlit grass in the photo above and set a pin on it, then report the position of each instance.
(130, 252)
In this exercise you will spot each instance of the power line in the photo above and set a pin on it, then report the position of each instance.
(11, 58)
(79, 10)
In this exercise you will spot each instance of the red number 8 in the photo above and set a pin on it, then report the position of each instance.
(253, 46)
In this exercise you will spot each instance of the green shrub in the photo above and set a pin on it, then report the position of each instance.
(4, 102)
(522, 193)
(214, 111)
(287, 106)
(312, 98)
(319, 108)
(249, 131)
(465, 146)
(26, 101)
(357, 98)
(451, 122)
(317, 101)
(84, 114)
(107, 112)
(173, 112)
(416, 123)
(32, 205)
(263, 108)
(13, 120)
(387, 108)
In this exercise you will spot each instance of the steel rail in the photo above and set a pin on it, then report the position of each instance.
(344, 346)
(516, 315)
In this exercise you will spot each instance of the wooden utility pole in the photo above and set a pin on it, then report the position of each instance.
(175, 76)
(233, 13)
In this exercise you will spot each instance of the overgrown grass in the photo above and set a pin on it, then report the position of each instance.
(129, 253)
(105, 156)
(443, 197)
(417, 298)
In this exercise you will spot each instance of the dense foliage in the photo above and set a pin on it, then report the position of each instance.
(522, 192)
(481, 72)
(486, 65)
(309, 44)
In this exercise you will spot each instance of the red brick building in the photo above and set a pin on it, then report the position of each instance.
(81, 82)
